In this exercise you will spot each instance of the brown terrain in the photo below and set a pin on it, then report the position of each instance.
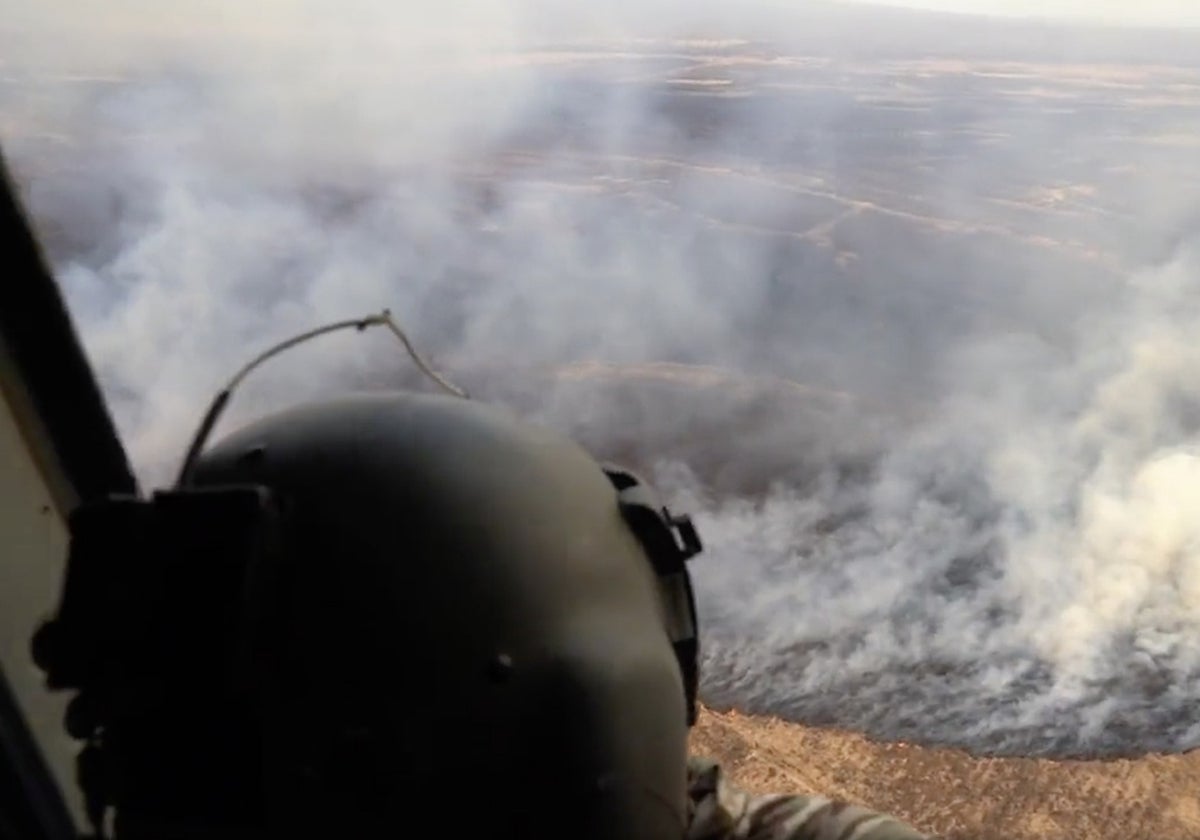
(954, 795)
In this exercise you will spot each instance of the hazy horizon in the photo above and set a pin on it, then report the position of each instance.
(1118, 13)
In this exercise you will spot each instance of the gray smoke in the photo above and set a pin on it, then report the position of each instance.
(908, 327)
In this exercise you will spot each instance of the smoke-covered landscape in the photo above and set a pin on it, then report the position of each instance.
(900, 306)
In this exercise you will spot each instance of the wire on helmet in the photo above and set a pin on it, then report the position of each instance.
(384, 319)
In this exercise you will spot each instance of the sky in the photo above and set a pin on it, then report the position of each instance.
(1118, 12)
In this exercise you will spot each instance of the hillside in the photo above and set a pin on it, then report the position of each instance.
(954, 795)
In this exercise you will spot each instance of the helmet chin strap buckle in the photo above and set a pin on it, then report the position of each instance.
(688, 535)
(669, 541)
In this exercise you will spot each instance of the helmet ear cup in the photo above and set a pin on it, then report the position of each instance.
(669, 541)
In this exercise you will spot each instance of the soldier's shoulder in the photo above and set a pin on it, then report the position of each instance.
(720, 810)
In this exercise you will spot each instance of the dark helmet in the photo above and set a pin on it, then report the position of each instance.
(378, 610)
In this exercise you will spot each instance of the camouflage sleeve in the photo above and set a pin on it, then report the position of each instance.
(719, 811)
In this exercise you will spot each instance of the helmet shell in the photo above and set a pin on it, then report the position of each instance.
(457, 614)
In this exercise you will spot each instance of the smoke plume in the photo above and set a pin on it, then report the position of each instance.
(901, 307)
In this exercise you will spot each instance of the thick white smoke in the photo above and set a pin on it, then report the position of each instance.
(922, 317)
(1020, 573)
